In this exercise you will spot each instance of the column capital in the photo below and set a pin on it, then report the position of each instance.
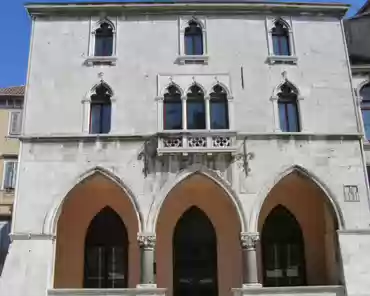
(249, 240)
(146, 240)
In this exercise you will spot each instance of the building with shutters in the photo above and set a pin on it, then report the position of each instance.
(189, 148)
(11, 103)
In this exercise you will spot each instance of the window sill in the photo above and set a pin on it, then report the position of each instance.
(273, 59)
(192, 59)
(109, 60)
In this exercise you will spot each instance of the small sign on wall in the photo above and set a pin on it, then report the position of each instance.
(351, 193)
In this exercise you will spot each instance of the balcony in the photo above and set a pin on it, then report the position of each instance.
(291, 291)
(108, 292)
(208, 142)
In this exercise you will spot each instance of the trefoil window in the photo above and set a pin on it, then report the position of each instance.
(100, 110)
(288, 108)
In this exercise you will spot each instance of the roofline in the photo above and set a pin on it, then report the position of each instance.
(363, 8)
(114, 8)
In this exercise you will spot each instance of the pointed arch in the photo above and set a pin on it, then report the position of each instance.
(195, 84)
(104, 20)
(91, 192)
(263, 194)
(52, 216)
(165, 89)
(151, 222)
(295, 88)
(223, 86)
(282, 21)
(99, 84)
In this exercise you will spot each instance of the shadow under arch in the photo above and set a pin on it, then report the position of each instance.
(263, 195)
(93, 191)
(156, 206)
(52, 216)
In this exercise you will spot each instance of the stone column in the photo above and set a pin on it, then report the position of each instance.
(250, 272)
(147, 245)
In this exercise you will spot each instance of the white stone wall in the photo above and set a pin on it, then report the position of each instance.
(147, 47)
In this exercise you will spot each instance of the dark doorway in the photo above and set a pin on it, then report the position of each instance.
(194, 255)
(106, 252)
(282, 250)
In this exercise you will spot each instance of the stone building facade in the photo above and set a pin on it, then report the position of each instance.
(189, 148)
(11, 103)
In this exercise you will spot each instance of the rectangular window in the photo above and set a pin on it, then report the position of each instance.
(4, 240)
(10, 174)
(15, 123)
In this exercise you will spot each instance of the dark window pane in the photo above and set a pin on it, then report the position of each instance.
(95, 118)
(104, 40)
(280, 40)
(219, 114)
(198, 44)
(196, 116)
(366, 120)
(106, 118)
(193, 39)
(293, 117)
(173, 115)
(283, 117)
(189, 45)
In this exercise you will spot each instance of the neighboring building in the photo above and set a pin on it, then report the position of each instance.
(189, 149)
(11, 102)
(357, 31)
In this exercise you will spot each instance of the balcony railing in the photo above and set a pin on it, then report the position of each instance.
(196, 142)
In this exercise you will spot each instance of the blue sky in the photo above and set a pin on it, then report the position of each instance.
(16, 28)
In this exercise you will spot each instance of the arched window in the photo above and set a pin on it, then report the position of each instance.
(365, 108)
(104, 40)
(106, 252)
(219, 108)
(193, 39)
(195, 108)
(280, 39)
(288, 108)
(100, 112)
(282, 250)
(172, 109)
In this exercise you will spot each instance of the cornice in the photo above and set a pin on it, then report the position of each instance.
(142, 137)
(321, 9)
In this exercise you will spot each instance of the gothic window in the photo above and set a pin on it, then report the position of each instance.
(280, 39)
(193, 39)
(195, 108)
(365, 109)
(172, 109)
(106, 252)
(282, 250)
(288, 108)
(219, 113)
(104, 40)
(100, 110)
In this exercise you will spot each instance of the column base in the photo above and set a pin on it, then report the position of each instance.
(146, 286)
(252, 285)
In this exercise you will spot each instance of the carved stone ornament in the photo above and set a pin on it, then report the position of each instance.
(146, 241)
(249, 240)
